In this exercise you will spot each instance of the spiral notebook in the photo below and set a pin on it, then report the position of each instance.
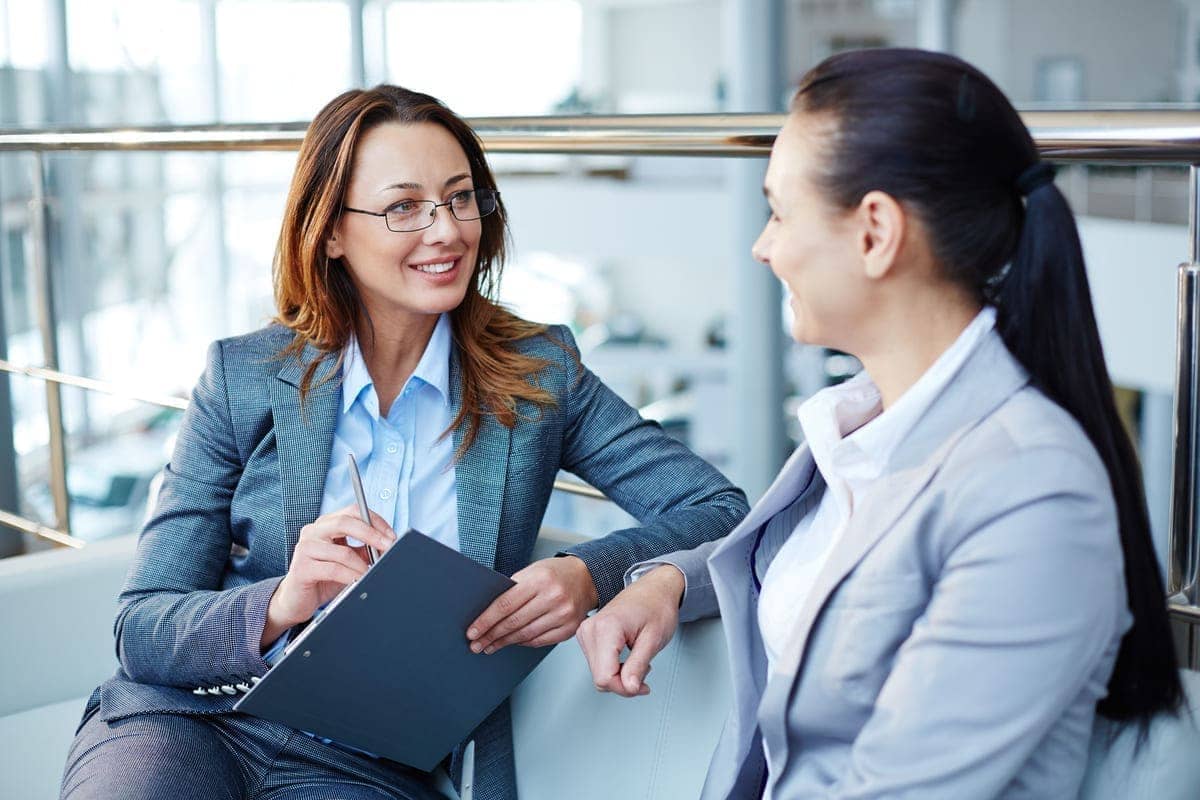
(387, 667)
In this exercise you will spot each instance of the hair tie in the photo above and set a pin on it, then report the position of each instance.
(1035, 177)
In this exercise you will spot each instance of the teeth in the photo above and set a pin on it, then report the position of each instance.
(435, 269)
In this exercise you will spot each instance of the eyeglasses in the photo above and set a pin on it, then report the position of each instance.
(417, 215)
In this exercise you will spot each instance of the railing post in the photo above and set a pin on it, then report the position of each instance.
(756, 333)
(44, 288)
(1185, 491)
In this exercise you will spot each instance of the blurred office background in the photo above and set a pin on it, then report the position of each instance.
(153, 255)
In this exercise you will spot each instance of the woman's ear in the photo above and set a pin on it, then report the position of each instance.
(882, 226)
(333, 246)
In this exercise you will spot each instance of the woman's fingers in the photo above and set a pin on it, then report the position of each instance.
(602, 641)
(320, 552)
(540, 622)
(637, 666)
(345, 523)
(550, 593)
(498, 618)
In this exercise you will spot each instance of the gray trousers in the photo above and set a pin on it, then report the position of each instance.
(224, 757)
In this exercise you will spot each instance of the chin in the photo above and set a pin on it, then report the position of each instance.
(800, 334)
(446, 301)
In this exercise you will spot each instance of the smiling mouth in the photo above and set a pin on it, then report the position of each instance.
(436, 269)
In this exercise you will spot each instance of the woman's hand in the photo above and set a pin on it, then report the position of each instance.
(643, 617)
(322, 565)
(551, 598)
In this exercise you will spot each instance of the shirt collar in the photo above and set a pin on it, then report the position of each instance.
(851, 414)
(433, 369)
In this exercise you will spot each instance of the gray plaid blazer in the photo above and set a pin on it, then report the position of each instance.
(248, 473)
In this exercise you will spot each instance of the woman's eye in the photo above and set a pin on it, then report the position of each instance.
(463, 198)
(405, 207)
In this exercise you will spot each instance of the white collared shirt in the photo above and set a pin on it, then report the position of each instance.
(851, 442)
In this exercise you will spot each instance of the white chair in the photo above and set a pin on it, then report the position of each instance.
(56, 613)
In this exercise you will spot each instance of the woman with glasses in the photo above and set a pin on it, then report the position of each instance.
(388, 345)
(954, 573)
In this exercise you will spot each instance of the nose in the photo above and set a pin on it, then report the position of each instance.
(760, 248)
(444, 228)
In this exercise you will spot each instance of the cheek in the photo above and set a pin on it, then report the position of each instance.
(378, 251)
(791, 257)
(472, 236)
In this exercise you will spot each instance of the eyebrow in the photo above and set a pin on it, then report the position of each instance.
(416, 186)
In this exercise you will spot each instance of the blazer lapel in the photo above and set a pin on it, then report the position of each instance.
(303, 439)
(479, 477)
(794, 477)
(989, 377)
(733, 581)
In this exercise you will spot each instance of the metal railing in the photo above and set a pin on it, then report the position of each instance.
(1113, 137)
(1110, 137)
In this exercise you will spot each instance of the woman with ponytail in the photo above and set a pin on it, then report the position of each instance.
(954, 574)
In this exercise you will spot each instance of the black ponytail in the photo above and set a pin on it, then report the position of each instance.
(936, 134)
(1045, 315)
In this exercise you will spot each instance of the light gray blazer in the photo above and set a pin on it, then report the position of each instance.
(957, 640)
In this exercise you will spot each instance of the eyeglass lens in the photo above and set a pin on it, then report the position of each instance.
(415, 215)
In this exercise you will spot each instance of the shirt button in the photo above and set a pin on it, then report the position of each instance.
(391, 448)
(385, 494)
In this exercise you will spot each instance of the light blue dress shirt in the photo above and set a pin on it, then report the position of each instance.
(407, 466)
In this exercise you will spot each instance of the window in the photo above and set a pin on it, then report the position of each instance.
(1058, 80)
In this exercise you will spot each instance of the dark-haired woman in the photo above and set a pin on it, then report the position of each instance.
(388, 345)
(954, 573)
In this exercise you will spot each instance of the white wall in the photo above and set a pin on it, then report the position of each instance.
(1131, 266)
(661, 243)
(665, 58)
(1128, 50)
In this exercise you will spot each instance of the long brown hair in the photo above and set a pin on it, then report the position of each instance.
(316, 299)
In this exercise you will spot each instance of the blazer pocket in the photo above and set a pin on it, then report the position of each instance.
(869, 619)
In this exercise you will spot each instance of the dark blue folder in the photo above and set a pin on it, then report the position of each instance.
(387, 668)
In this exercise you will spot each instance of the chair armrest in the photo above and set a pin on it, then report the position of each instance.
(57, 609)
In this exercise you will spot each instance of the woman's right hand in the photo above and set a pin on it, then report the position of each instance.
(322, 565)
(643, 617)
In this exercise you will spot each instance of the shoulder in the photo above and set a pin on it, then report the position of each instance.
(1029, 454)
(556, 346)
(263, 345)
(554, 339)
(1030, 430)
(241, 367)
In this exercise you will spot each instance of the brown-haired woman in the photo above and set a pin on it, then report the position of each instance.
(388, 345)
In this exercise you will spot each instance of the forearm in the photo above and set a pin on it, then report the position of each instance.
(610, 557)
(192, 638)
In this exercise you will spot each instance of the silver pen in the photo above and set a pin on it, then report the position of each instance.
(361, 497)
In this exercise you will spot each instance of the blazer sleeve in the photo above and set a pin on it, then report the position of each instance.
(173, 626)
(1030, 597)
(680, 499)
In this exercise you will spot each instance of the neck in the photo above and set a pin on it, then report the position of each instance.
(909, 339)
(392, 350)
